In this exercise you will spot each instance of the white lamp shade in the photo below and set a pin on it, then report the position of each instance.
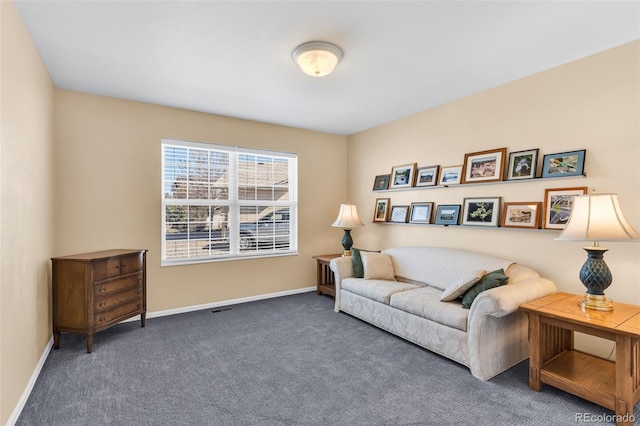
(347, 217)
(317, 59)
(598, 217)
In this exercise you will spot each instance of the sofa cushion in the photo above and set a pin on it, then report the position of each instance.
(438, 266)
(378, 290)
(425, 302)
(356, 259)
(491, 280)
(458, 287)
(377, 266)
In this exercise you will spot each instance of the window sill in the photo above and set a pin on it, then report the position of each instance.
(197, 261)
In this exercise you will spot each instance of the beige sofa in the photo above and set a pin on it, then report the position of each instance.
(401, 289)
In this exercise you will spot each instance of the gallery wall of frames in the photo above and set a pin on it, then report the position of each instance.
(484, 167)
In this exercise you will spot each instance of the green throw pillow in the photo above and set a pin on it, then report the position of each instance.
(491, 280)
(356, 259)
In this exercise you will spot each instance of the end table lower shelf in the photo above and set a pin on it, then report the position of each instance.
(583, 375)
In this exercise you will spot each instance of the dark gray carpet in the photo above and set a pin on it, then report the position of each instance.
(284, 361)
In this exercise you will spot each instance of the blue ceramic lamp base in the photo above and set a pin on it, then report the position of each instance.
(596, 277)
(347, 242)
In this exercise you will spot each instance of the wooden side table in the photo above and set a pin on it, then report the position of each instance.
(94, 291)
(325, 280)
(554, 361)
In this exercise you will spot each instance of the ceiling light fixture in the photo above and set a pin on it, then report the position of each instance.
(317, 58)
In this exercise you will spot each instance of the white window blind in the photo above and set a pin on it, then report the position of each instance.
(221, 202)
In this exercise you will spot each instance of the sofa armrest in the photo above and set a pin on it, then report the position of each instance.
(504, 300)
(497, 329)
(342, 267)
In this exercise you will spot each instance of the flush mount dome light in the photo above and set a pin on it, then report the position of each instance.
(317, 58)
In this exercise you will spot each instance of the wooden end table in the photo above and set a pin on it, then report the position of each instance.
(554, 361)
(325, 280)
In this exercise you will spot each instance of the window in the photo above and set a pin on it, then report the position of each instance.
(221, 202)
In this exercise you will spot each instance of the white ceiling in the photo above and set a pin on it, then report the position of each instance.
(234, 57)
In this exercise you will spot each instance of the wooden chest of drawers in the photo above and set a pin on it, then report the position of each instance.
(93, 291)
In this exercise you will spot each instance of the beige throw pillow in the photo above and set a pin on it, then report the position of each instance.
(458, 287)
(377, 266)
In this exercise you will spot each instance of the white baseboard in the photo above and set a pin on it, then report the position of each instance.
(36, 372)
(225, 303)
(32, 381)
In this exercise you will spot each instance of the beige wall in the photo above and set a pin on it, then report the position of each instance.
(105, 192)
(26, 207)
(593, 103)
(108, 193)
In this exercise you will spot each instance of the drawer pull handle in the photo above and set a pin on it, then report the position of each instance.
(101, 319)
(124, 265)
(102, 289)
(102, 304)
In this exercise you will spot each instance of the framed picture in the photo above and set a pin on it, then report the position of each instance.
(450, 175)
(521, 215)
(558, 203)
(381, 210)
(448, 214)
(399, 214)
(564, 164)
(484, 166)
(522, 164)
(381, 182)
(403, 176)
(481, 211)
(427, 176)
(421, 212)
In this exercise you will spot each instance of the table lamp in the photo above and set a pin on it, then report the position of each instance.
(596, 218)
(347, 218)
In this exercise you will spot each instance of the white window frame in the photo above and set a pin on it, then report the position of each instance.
(233, 203)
